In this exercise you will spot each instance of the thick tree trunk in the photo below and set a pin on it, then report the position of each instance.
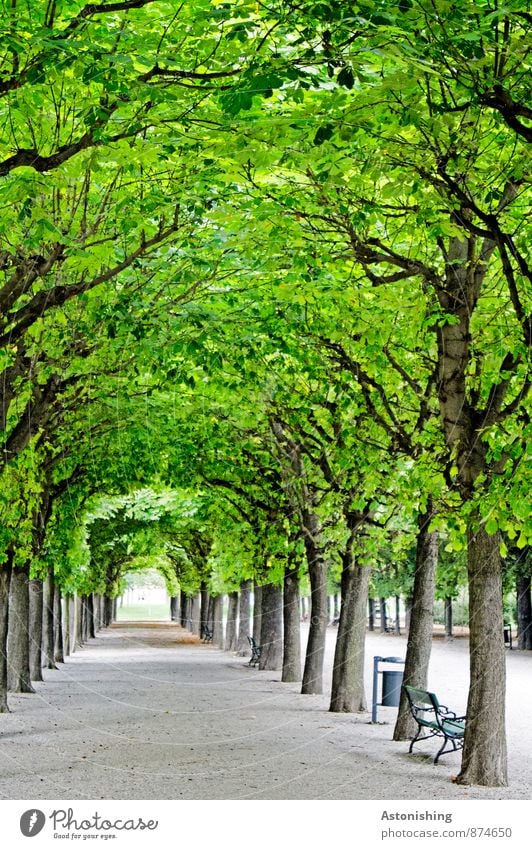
(5, 575)
(291, 626)
(371, 614)
(218, 624)
(59, 655)
(244, 617)
(174, 603)
(419, 644)
(18, 677)
(231, 624)
(524, 613)
(448, 617)
(48, 621)
(257, 604)
(484, 758)
(271, 630)
(347, 693)
(313, 671)
(36, 616)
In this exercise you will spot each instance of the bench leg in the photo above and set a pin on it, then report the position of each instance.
(456, 742)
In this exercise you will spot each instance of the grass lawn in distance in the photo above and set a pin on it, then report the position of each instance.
(151, 612)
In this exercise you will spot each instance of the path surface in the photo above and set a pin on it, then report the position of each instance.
(140, 713)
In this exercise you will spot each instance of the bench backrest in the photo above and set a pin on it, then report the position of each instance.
(422, 700)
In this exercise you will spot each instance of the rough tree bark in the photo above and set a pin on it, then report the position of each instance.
(36, 617)
(317, 567)
(347, 694)
(244, 617)
(231, 624)
(291, 626)
(5, 575)
(18, 674)
(419, 643)
(271, 636)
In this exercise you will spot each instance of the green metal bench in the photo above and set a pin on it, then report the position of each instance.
(255, 652)
(436, 720)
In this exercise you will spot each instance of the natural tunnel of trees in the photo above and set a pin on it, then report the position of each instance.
(265, 319)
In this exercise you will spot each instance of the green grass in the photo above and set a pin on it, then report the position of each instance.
(152, 612)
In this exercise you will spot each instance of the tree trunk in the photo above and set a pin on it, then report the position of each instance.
(59, 655)
(115, 609)
(329, 608)
(18, 634)
(244, 617)
(78, 633)
(218, 624)
(174, 608)
(48, 621)
(336, 613)
(204, 609)
(448, 617)
(195, 622)
(67, 643)
(257, 603)
(384, 615)
(419, 644)
(371, 614)
(524, 613)
(271, 637)
(91, 616)
(313, 671)
(291, 626)
(231, 625)
(36, 617)
(108, 611)
(484, 758)
(85, 615)
(184, 611)
(5, 575)
(347, 693)
(397, 615)
(408, 612)
(304, 610)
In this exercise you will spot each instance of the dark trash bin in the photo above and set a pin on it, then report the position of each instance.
(391, 687)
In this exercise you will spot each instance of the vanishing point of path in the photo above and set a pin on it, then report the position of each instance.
(147, 712)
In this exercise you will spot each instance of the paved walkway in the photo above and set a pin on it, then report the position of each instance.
(144, 713)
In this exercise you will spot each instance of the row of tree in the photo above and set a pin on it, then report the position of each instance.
(273, 260)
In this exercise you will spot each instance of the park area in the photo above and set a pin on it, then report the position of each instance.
(148, 711)
(265, 335)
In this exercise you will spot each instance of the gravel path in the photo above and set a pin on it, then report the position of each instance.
(143, 712)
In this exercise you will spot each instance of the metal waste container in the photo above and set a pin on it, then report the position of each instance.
(391, 687)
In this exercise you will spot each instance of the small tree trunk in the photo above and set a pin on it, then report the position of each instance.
(384, 615)
(271, 637)
(85, 615)
(313, 671)
(91, 616)
(448, 617)
(336, 613)
(48, 621)
(231, 625)
(59, 655)
(174, 608)
(18, 634)
(244, 616)
(397, 615)
(484, 759)
(115, 609)
(329, 608)
(184, 611)
(79, 619)
(524, 613)
(347, 693)
(67, 626)
(371, 614)
(291, 626)
(218, 625)
(5, 575)
(421, 622)
(304, 608)
(204, 609)
(36, 617)
(408, 612)
(195, 621)
(257, 603)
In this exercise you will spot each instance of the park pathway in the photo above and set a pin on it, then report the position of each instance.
(146, 712)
